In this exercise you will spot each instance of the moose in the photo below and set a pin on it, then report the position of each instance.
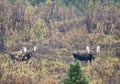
(23, 54)
(85, 55)
(28, 54)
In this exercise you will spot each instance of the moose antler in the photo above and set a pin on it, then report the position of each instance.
(24, 49)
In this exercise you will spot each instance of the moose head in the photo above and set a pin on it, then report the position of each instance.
(28, 53)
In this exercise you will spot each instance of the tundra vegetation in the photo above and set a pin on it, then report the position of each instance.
(58, 28)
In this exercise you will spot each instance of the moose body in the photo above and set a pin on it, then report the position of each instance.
(84, 57)
(16, 55)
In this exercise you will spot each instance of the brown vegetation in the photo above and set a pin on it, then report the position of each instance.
(56, 37)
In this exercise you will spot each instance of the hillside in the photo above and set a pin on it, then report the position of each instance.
(57, 32)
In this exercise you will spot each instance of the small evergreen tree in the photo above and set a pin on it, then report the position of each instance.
(75, 75)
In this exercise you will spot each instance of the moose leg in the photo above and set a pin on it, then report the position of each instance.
(75, 60)
(27, 61)
(90, 61)
(19, 58)
(84, 62)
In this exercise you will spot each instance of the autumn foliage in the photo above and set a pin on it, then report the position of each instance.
(58, 31)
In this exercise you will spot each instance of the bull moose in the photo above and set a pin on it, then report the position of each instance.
(23, 54)
(85, 55)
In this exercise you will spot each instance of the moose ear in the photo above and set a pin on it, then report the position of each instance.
(98, 49)
(24, 49)
(34, 48)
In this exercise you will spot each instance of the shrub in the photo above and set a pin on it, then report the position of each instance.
(75, 75)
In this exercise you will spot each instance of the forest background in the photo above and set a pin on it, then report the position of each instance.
(59, 27)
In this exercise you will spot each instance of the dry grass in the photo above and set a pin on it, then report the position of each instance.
(56, 40)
